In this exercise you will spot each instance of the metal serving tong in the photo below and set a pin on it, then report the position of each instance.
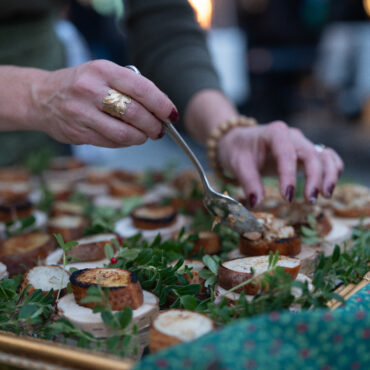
(229, 211)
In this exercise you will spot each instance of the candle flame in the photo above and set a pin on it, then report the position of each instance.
(203, 12)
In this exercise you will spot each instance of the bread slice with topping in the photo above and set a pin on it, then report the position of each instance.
(351, 200)
(234, 272)
(46, 278)
(70, 227)
(176, 326)
(278, 236)
(153, 216)
(122, 285)
(23, 251)
(91, 248)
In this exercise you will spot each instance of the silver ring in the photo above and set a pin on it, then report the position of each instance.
(320, 147)
(133, 68)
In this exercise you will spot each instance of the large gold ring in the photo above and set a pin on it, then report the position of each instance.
(115, 103)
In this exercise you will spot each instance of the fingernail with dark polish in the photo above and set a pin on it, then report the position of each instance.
(161, 134)
(329, 191)
(174, 116)
(289, 193)
(252, 200)
(314, 195)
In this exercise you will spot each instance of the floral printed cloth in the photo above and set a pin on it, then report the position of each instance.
(321, 339)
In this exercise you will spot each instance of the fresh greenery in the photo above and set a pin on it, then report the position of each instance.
(13, 228)
(151, 262)
(309, 234)
(38, 161)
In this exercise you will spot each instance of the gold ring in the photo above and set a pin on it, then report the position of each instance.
(115, 103)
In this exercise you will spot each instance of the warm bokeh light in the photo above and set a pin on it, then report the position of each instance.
(203, 11)
(366, 6)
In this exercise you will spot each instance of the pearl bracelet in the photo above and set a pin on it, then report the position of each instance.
(216, 135)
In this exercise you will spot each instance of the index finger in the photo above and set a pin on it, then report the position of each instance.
(142, 90)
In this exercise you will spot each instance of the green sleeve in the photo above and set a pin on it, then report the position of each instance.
(168, 47)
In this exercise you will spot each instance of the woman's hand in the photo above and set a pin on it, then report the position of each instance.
(248, 152)
(68, 105)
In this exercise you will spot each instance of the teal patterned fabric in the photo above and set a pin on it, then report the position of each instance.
(320, 339)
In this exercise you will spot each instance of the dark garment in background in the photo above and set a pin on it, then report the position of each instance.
(169, 48)
(27, 39)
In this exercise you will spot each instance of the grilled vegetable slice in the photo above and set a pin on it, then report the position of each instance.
(11, 210)
(70, 227)
(234, 272)
(46, 278)
(123, 287)
(175, 326)
(23, 251)
(153, 216)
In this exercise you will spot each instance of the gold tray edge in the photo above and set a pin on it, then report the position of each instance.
(58, 353)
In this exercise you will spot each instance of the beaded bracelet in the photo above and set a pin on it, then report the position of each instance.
(215, 136)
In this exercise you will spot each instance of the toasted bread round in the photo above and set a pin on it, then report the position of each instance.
(61, 207)
(85, 319)
(190, 206)
(351, 200)
(70, 227)
(14, 174)
(208, 242)
(10, 190)
(61, 190)
(11, 210)
(46, 278)
(176, 326)
(232, 297)
(91, 190)
(123, 287)
(65, 163)
(285, 247)
(91, 248)
(153, 216)
(98, 175)
(277, 236)
(22, 251)
(234, 272)
(125, 189)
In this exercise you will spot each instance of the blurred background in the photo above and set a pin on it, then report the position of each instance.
(306, 62)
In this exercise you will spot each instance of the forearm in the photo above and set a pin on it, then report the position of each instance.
(206, 110)
(17, 101)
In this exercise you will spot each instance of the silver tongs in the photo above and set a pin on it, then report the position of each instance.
(226, 209)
